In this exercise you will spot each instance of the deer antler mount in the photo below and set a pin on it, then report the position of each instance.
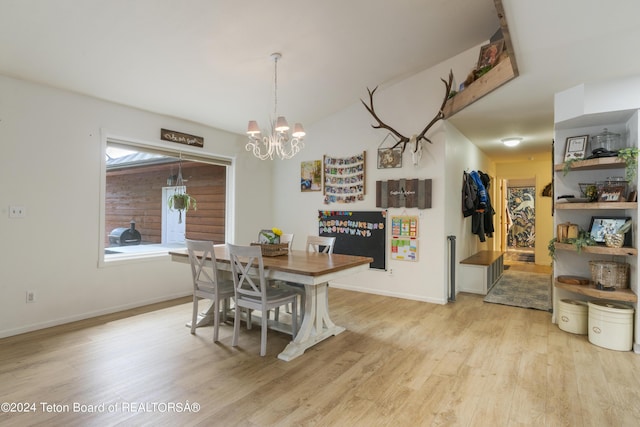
(417, 138)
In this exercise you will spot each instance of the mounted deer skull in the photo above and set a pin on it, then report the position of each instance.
(414, 139)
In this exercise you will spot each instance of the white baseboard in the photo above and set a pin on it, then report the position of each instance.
(88, 315)
(387, 294)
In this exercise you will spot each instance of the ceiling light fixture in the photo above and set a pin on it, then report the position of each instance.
(511, 142)
(278, 141)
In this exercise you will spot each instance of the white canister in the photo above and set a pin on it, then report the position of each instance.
(572, 316)
(611, 325)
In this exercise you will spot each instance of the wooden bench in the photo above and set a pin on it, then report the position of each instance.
(481, 271)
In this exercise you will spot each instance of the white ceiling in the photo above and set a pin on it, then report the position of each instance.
(208, 60)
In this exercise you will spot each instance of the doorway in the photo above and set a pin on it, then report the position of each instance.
(520, 237)
(174, 228)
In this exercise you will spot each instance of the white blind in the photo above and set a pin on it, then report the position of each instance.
(203, 158)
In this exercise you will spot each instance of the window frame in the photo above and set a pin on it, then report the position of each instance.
(187, 153)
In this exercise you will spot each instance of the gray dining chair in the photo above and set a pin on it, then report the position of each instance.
(207, 283)
(252, 292)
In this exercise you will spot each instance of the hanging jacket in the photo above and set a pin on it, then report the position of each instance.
(469, 195)
(489, 212)
(482, 192)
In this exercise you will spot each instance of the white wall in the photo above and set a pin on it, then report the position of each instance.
(406, 106)
(462, 156)
(51, 146)
(51, 154)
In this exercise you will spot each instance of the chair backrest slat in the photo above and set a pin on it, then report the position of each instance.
(320, 244)
(202, 258)
(243, 267)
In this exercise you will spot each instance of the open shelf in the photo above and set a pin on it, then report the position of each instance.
(597, 205)
(601, 250)
(500, 74)
(593, 164)
(625, 295)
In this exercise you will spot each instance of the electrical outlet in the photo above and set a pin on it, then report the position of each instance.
(17, 212)
(31, 296)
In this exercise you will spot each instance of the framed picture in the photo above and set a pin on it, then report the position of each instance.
(612, 193)
(389, 158)
(311, 175)
(601, 225)
(489, 54)
(576, 147)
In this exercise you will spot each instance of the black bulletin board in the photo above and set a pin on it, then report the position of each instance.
(357, 233)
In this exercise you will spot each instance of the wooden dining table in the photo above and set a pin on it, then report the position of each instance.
(314, 271)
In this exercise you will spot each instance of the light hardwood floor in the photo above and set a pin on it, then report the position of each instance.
(400, 363)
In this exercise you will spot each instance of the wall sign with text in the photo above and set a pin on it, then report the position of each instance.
(404, 193)
(181, 138)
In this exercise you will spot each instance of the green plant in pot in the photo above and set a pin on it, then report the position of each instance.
(181, 202)
(583, 239)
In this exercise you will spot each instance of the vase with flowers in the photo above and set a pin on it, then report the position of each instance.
(270, 237)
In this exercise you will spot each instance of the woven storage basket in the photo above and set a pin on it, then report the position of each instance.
(610, 273)
(273, 249)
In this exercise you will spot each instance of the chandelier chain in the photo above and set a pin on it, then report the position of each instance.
(275, 89)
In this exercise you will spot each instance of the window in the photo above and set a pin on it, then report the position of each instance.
(137, 220)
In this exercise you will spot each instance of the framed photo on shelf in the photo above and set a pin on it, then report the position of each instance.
(612, 193)
(490, 54)
(601, 225)
(576, 147)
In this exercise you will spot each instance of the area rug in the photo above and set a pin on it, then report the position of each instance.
(522, 289)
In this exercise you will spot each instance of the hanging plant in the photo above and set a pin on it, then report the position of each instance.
(181, 201)
(630, 156)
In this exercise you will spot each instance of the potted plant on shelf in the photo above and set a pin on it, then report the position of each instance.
(630, 156)
(583, 239)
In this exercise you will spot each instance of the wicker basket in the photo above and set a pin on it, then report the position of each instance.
(273, 249)
(610, 274)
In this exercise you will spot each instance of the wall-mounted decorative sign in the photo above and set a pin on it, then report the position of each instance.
(311, 175)
(344, 178)
(404, 193)
(181, 138)
(389, 158)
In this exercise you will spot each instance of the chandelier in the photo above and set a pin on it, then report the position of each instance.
(278, 142)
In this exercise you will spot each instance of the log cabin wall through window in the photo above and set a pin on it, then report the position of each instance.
(135, 193)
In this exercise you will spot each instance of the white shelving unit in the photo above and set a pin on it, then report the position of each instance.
(568, 261)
